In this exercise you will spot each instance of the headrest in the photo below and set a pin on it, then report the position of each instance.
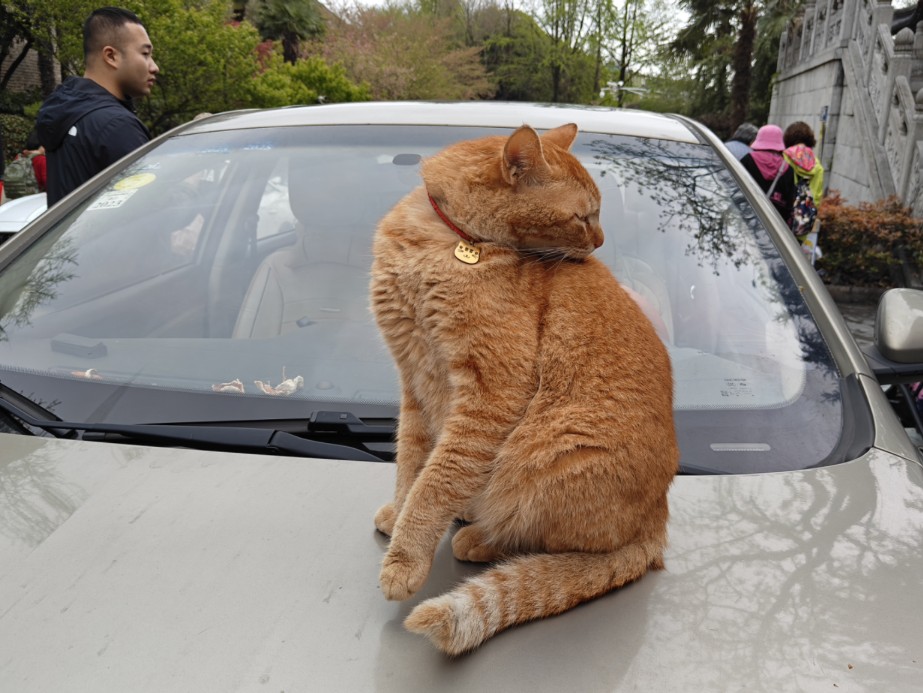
(315, 192)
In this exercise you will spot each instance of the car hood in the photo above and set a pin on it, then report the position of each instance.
(145, 569)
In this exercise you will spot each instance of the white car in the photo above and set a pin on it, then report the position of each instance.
(15, 214)
(199, 413)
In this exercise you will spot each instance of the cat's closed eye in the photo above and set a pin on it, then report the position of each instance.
(587, 219)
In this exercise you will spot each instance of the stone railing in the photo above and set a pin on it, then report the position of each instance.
(889, 75)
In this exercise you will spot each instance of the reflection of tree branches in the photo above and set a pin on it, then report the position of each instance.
(814, 349)
(798, 557)
(41, 286)
(694, 194)
(697, 199)
(34, 499)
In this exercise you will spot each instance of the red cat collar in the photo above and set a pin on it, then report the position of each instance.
(448, 222)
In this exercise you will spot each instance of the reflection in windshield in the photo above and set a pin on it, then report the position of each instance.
(688, 190)
(38, 284)
(235, 265)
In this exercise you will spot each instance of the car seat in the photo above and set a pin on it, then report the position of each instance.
(323, 276)
(628, 254)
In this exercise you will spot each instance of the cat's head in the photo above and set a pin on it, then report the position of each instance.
(525, 191)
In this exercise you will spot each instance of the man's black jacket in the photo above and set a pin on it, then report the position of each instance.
(84, 128)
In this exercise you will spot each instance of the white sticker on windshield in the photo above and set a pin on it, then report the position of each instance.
(112, 199)
(736, 388)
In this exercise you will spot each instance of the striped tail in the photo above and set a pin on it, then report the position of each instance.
(524, 589)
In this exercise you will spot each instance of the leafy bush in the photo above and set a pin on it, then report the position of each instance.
(308, 81)
(869, 244)
(15, 131)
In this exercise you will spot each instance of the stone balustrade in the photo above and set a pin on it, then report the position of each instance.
(841, 70)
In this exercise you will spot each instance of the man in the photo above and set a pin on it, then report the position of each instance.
(88, 122)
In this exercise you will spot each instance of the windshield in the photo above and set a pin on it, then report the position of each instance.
(224, 276)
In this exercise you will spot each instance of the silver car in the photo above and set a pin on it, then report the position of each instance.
(199, 415)
(15, 214)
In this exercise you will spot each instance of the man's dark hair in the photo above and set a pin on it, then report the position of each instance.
(102, 28)
(799, 132)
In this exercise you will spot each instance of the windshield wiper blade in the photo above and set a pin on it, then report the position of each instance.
(240, 439)
(227, 438)
(346, 423)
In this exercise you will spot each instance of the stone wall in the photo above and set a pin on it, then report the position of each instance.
(861, 89)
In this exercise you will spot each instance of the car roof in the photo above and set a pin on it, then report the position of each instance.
(15, 214)
(474, 113)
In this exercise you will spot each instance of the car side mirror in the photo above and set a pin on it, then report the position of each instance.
(899, 325)
(897, 356)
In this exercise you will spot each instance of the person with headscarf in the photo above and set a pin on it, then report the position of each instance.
(770, 170)
(799, 154)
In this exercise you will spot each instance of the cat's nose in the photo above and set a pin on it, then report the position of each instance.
(597, 236)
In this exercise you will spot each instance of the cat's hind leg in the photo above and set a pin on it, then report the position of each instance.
(470, 543)
(385, 519)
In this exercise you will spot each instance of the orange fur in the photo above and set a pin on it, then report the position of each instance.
(536, 397)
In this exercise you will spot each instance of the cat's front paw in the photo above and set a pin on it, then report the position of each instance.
(385, 519)
(401, 576)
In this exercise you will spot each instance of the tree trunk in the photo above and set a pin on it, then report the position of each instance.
(46, 69)
(743, 64)
(290, 46)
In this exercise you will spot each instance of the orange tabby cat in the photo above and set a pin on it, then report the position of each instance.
(536, 397)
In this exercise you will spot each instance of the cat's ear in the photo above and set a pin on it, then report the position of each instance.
(522, 156)
(562, 136)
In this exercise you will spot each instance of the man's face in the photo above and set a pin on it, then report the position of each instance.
(136, 69)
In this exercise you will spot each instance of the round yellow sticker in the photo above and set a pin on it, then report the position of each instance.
(139, 180)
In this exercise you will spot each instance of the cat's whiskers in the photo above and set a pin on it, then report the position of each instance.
(557, 255)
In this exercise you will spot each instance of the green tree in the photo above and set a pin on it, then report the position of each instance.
(291, 21)
(13, 27)
(707, 41)
(742, 60)
(772, 22)
(308, 81)
(512, 54)
(205, 61)
(403, 53)
(633, 46)
(604, 22)
(568, 24)
(209, 63)
(52, 28)
(731, 47)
